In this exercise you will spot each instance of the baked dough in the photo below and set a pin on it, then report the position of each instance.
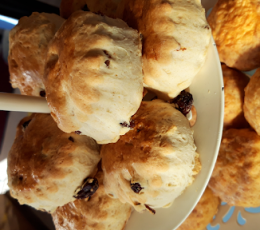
(106, 7)
(252, 102)
(235, 28)
(236, 176)
(203, 213)
(28, 45)
(234, 85)
(93, 79)
(154, 162)
(175, 36)
(46, 166)
(99, 213)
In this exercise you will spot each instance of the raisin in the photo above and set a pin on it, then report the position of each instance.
(42, 93)
(136, 187)
(85, 8)
(25, 124)
(89, 187)
(21, 177)
(150, 209)
(183, 102)
(131, 125)
(78, 132)
(106, 53)
(124, 124)
(71, 139)
(107, 62)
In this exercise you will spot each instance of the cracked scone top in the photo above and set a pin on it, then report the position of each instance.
(46, 165)
(100, 212)
(176, 38)
(154, 162)
(28, 45)
(94, 76)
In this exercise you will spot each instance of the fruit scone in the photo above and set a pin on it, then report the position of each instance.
(203, 213)
(234, 85)
(46, 166)
(93, 77)
(236, 176)
(28, 45)
(155, 161)
(252, 102)
(175, 37)
(98, 212)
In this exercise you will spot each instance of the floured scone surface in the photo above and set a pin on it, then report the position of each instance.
(175, 40)
(94, 76)
(99, 213)
(154, 162)
(252, 102)
(46, 166)
(203, 213)
(106, 7)
(236, 176)
(235, 28)
(28, 44)
(234, 85)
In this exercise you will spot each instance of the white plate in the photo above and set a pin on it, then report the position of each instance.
(209, 102)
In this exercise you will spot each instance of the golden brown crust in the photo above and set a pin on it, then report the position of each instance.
(252, 102)
(27, 50)
(92, 62)
(45, 165)
(203, 213)
(100, 212)
(165, 28)
(235, 28)
(236, 176)
(234, 85)
(158, 153)
(106, 7)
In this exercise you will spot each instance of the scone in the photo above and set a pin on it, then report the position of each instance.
(100, 212)
(234, 85)
(106, 7)
(203, 213)
(252, 102)
(28, 45)
(236, 176)
(235, 28)
(175, 36)
(93, 79)
(47, 166)
(154, 162)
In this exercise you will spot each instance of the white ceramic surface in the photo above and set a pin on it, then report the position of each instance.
(209, 102)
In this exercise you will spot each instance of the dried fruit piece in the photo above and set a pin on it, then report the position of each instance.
(42, 93)
(89, 187)
(107, 62)
(25, 124)
(131, 125)
(78, 132)
(183, 102)
(150, 209)
(136, 187)
(71, 139)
